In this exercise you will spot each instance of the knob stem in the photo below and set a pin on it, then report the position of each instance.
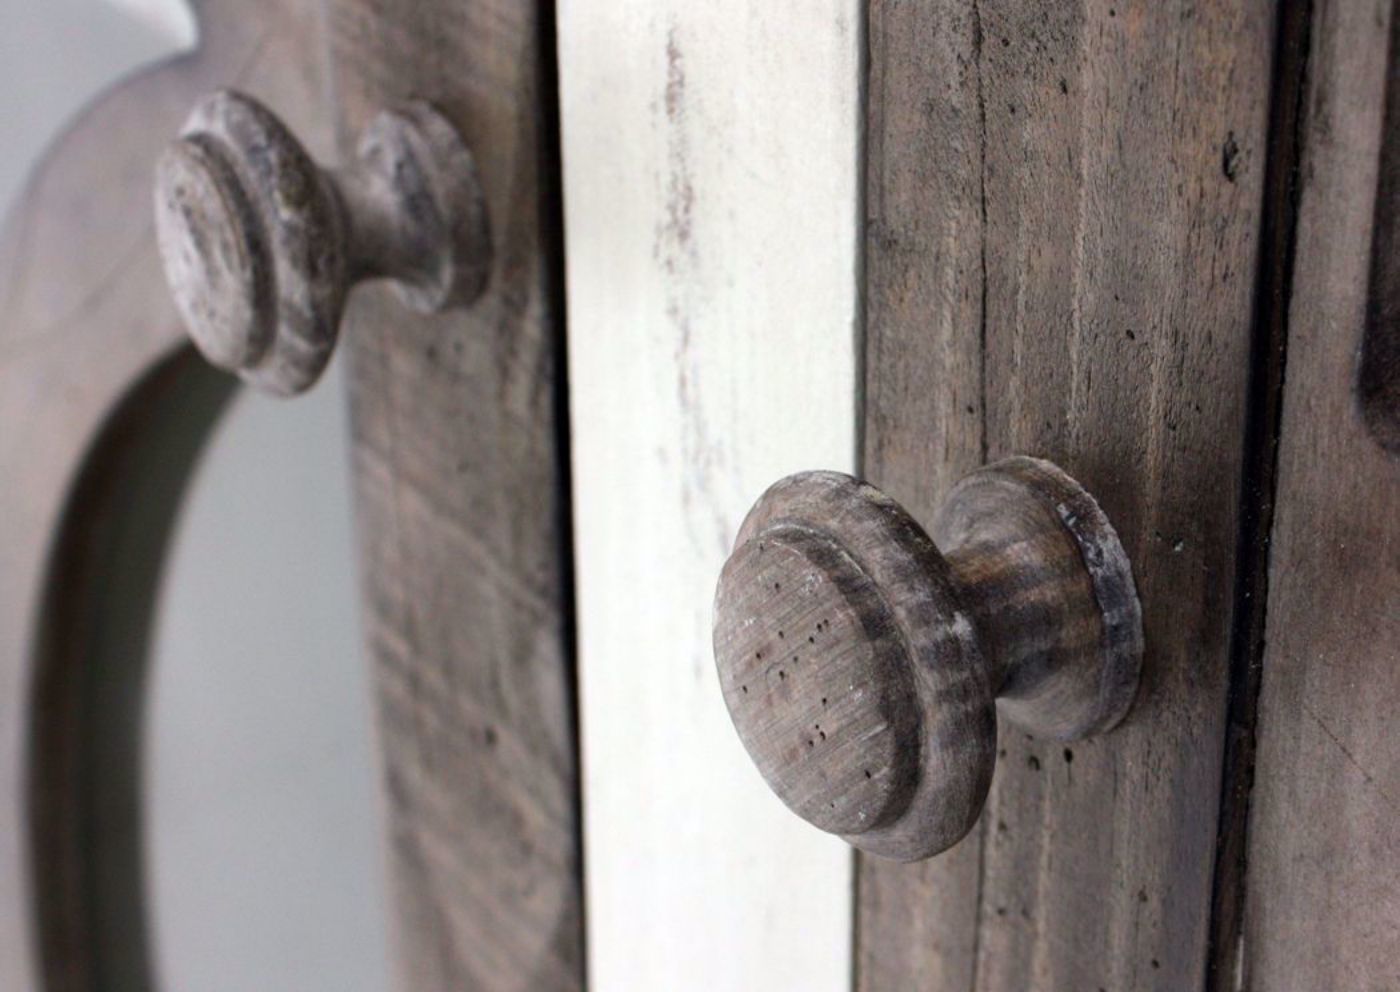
(1051, 593)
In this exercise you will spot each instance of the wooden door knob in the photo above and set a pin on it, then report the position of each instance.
(861, 665)
(261, 245)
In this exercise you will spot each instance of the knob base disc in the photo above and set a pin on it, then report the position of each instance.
(1053, 592)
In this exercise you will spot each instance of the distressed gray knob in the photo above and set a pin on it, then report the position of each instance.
(261, 246)
(862, 665)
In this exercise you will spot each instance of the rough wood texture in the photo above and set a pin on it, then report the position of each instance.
(860, 663)
(1378, 382)
(261, 245)
(1323, 884)
(711, 190)
(1063, 209)
(461, 486)
(92, 454)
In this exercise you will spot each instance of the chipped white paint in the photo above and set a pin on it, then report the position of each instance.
(711, 175)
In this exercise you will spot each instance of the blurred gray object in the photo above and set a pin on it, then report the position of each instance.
(263, 846)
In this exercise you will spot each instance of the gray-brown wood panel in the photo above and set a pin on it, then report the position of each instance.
(460, 488)
(102, 409)
(1322, 904)
(1064, 204)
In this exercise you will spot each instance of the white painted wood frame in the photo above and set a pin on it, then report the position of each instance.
(711, 186)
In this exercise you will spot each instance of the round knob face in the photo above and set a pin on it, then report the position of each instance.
(852, 670)
(253, 240)
(209, 237)
(819, 680)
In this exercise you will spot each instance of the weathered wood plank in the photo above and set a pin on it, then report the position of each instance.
(711, 189)
(90, 484)
(461, 499)
(1323, 886)
(916, 924)
(1064, 215)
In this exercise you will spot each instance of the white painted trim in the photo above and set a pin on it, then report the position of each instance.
(711, 160)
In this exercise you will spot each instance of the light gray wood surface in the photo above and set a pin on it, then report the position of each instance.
(1323, 872)
(1063, 208)
(93, 453)
(461, 489)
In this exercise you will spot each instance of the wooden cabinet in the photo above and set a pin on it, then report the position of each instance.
(1149, 242)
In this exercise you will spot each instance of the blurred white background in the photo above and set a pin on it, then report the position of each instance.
(263, 844)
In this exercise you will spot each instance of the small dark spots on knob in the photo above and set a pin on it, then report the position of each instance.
(489, 735)
(811, 742)
(1142, 895)
(822, 734)
(811, 640)
(1001, 826)
(758, 655)
(1001, 752)
(1156, 964)
(823, 700)
(777, 586)
(782, 674)
(1001, 910)
(780, 633)
(1064, 85)
(1069, 756)
(1034, 762)
(1131, 335)
(867, 773)
(745, 689)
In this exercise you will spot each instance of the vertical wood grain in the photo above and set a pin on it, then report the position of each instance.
(916, 924)
(461, 492)
(711, 191)
(1065, 208)
(1323, 888)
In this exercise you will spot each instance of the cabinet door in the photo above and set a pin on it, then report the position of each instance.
(1151, 242)
(1068, 255)
(460, 480)
(1076, 239)
(1322, 895)
(103, 412)
(461, 485)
